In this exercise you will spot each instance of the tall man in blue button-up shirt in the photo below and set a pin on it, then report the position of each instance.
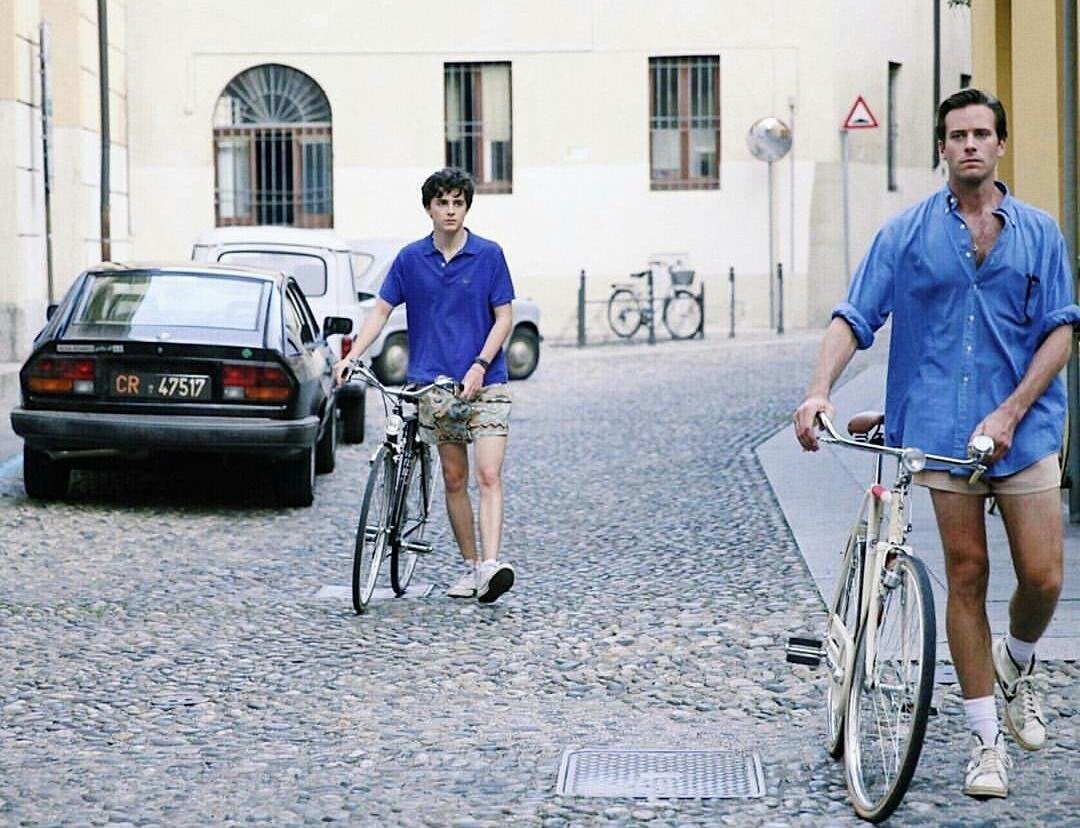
(457, 293)
(982, 303)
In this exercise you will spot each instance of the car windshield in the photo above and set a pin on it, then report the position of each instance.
(173, 300)
(308, 271)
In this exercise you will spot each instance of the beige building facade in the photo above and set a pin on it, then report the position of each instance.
(580, 162)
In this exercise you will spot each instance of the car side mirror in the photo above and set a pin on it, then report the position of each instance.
(50, 312)
(336, 325)
(363, 297)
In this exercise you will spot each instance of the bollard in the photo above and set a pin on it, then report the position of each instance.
(652, 309)
(731, 278)
(701, 304)
(780, 297)
(581, 310)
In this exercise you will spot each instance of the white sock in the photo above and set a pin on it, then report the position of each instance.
(1021, 651)
(982, 718)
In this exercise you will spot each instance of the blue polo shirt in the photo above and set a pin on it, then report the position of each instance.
(449, 305)
(964, 336)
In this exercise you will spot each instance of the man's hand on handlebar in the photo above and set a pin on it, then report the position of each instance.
(806, 420)
(342, 368)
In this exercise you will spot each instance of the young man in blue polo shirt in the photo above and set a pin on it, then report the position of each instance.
(457, 292)
(982, 301)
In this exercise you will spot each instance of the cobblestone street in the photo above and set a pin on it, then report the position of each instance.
(166, 660)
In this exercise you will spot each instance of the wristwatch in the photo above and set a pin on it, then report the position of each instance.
(483, 363)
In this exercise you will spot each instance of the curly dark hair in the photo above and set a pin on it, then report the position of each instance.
(446, 181)
(971, 97)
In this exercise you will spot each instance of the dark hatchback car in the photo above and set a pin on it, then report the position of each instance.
(148, 360)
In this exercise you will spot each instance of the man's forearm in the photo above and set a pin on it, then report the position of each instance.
(1047, 363)
(369, 331)
(837, 348)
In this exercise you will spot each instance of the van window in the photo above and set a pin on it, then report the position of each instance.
(308, 271)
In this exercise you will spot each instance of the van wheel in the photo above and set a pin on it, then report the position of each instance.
(327, 445)
(522, 353)
(352, 418)
(44, 479)
(296, 480)
(392, 364)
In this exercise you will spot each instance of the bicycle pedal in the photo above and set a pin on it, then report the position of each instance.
(806, 651)
(419, 547)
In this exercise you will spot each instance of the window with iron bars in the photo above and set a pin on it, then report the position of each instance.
(684, 123)
(273, 150)
(478, 123)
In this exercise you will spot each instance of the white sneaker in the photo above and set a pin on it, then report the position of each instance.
(493, 579)
(465, 586)
(987, 772)
(1023, 713)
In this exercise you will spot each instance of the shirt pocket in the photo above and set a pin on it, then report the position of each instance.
(1023, 297)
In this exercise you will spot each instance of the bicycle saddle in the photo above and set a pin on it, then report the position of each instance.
(864, 422)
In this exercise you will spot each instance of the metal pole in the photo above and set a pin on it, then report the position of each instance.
(1069, 220)
(701, 304)
(46, 154)
(772, 254)
(935, 159)
(731, 278)
(780, 294)
(581, 310)
(791, 189)
(652, 309)
(847, 214)
(106, 138)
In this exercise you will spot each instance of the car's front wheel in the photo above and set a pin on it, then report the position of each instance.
(392, 364)
(352, 418)
(296, 479)
(522, 353)
(44, 478)
(326, 449)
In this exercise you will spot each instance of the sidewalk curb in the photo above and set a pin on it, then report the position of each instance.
(10, 466)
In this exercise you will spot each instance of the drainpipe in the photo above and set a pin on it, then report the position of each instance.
(1069, 218)
(103, 77)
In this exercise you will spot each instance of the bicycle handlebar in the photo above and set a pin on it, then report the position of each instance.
(913, 459)
(408, 395)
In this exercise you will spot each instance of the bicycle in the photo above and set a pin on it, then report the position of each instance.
(881, 674)
(628, 311)
(397, 497)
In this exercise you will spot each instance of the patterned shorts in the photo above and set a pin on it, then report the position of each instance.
(446, 419)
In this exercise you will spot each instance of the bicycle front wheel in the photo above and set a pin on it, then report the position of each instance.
(413, 521)
(373, 532)
(624, 313)
(682, 315)
(889, 699)
(840, 645)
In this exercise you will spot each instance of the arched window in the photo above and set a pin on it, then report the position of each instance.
(272, 150)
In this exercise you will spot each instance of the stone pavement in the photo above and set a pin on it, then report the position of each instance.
(819, 493)
(167, 659)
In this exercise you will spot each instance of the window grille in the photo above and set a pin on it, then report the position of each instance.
(684, 123)
(479, 123)
(273, 150)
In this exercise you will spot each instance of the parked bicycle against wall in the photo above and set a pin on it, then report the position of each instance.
(630, 309)
(397, 498)
(881, 633)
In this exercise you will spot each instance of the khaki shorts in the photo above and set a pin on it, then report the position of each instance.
(447, 420)
(1038, 477)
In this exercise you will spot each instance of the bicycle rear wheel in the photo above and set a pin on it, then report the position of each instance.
(840, 646)
(624, 313)
(889, 699)
(373, 531)
(413, 521)
(682, 314)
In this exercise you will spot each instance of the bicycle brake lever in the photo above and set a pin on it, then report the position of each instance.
(977, 474)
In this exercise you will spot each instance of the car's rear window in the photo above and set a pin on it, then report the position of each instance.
(308, 271)
(173, 300)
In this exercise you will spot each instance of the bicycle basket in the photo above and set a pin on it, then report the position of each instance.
(682, 277)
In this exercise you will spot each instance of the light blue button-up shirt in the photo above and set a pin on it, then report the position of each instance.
(963, 336)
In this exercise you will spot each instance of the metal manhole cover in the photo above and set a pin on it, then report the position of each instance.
(661, 774)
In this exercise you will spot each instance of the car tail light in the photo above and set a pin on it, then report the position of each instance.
(346, 346)
(61, 375)
(258, 383)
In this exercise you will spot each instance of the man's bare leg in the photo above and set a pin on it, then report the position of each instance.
(489, 454)
(1036, 541)
(454, 458)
